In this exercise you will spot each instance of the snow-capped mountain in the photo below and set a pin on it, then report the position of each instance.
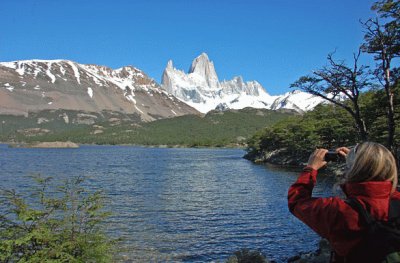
(35, 85)
(201, 89)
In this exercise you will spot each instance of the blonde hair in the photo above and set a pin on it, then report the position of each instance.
(372, 162)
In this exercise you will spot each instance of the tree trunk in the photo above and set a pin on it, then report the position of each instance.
(362, 129)
(389, 103)
(390, 108)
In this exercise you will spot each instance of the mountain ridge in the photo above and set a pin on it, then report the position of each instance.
(201, 89)
(35, 85)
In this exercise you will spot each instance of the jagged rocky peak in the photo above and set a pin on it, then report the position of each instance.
(203, 67)
(222, 107)
(201, 89)
(167, 79)
(170, 64)
(254, 88)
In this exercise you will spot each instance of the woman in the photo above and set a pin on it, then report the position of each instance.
(371, 178)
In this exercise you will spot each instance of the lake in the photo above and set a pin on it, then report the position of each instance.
(178, 205)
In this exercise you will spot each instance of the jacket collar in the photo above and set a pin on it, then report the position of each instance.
(371, 189)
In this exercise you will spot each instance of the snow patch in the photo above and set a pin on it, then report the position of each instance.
(48, 73)
(62, 70)
(90, 92)
(20, 68)
(138, 109)
(130, 98)
(8, 64)
(8, 86)
(36, 72)
(174, 112)
(76, 71)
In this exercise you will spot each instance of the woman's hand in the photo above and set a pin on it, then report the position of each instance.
(317, 159)
(343, 151)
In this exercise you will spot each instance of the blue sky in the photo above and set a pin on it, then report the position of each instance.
(271, 41)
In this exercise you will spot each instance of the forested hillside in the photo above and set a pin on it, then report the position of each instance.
(217, 128)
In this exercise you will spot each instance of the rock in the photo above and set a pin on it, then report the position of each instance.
(222, 107)
(65, 118)
(322, 255)
(33, 132)
(42, 120)
(82, 118)
(97, 132)
(47, 145)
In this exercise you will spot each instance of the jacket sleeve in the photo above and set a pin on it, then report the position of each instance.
(317, 213)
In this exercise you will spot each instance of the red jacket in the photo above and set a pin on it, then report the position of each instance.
(331, 217)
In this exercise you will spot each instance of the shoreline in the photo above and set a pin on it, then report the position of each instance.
(69, 144)
(46, 145)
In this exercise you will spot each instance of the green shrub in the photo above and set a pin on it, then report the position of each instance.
(53, 223)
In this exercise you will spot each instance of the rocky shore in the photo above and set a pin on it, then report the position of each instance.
(321, 255)
(282, 157)
(286, 158)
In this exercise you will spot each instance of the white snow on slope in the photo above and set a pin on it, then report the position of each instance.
(90, 92)
(201, 89)
(127, 78)
(20, 68)
(76, 71)
(62, 69)
(48, 73)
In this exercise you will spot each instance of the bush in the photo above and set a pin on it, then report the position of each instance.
(53, 224)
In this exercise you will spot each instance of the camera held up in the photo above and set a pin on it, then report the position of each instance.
(333, 156)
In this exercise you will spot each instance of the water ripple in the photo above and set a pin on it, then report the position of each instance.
(177, 205)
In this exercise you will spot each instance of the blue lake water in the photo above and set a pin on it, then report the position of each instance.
(178, 205)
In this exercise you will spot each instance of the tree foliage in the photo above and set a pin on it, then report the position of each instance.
(341, 85)
(382, 40)
(327, 126)
(53, 224)
(338, 80)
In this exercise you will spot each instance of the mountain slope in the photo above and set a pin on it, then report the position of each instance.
(201, 89)
(36, 85)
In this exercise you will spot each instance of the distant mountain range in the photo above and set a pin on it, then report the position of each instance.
(201, 89)
(36, 85)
